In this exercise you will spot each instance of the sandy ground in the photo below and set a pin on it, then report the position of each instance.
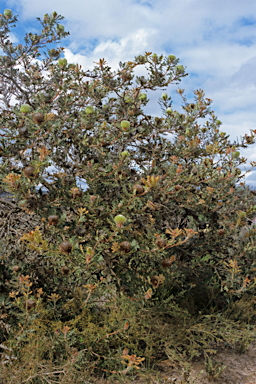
(240, 369)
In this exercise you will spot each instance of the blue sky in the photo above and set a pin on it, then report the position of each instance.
(214, 40)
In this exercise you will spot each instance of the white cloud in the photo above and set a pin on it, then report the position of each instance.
(114, 52)
(215, 40)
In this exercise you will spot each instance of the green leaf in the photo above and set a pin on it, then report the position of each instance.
(135, 245)
(206, 257)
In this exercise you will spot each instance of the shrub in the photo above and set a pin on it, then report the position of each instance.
(155, 232)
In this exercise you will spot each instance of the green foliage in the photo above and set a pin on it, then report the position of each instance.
(146, 263)
(213, 368)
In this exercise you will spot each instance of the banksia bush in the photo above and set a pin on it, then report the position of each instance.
(155, 233)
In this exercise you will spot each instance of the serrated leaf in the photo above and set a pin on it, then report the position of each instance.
(115, 247)
(206, 257)
(63, 217)
(135, 245)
